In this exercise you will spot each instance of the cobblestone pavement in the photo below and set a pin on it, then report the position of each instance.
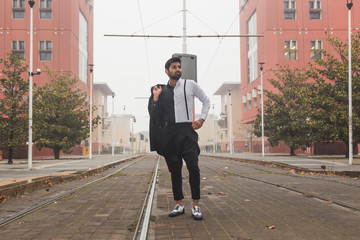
(108, 209)
(239, 208)
(250, 202)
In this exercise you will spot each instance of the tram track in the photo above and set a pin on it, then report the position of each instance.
(143, 221)
(283, 172)
(245, 175)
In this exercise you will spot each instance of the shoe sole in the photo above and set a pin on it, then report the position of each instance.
(177, 214)
(197, 218)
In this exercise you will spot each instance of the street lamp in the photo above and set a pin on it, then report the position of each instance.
(91, 84)
(214, 128)
(230, 125)
(349, 5)
(133, 120)
(112, 126)
(31, 74)
(262, 111)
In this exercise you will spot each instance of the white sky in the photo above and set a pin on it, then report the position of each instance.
(122, 62)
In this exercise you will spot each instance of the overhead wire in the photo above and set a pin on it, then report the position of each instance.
(217, 49)
(203, 22)
(146, 43)
(157, 22)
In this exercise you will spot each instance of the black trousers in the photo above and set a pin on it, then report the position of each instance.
(183, 147)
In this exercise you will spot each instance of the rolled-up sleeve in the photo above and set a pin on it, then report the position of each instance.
(204, 99)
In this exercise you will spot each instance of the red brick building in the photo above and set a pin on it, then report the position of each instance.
(63, 37)
(294, 32)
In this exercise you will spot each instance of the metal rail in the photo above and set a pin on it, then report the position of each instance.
(55, 198)
(144, 220)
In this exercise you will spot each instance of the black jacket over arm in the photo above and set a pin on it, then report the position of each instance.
(163, 111)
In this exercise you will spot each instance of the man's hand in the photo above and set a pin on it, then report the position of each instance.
(197, 124)
(156, 93)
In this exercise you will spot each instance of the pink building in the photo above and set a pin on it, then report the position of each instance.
(63, 37)
(294, 32)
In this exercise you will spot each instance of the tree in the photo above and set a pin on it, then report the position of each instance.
(288, 112)
(61, 117)
(13, 105)
(333, 99)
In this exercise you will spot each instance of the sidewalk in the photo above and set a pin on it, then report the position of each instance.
(17, 178)
(308, 163)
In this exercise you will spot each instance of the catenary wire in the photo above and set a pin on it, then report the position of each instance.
(157, 22)
(146, 43)
(217, 49)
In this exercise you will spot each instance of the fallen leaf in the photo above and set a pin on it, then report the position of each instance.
(203, 188)
(270, 227)
(222, 193)
(2, 199)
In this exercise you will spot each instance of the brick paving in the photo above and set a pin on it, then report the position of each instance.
(108, 209)
(234, 207)
(239, 208)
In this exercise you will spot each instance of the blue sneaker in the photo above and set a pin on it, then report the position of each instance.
(196, 213)
(177, 211)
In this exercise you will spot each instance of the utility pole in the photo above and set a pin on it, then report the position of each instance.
(91, 84)
(31, 3)
(184, 27)
(112, 127)
(230, 125)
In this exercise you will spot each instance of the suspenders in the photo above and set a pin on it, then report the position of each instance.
(187, 111)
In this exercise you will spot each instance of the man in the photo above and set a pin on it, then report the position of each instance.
(172, 132)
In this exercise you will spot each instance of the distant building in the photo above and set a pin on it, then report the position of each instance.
(294, 34)
(63, 40)
(209, 133)
(100, 102)
(120, 131)
(230, 119)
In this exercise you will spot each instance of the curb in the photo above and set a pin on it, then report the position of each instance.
(13, 190)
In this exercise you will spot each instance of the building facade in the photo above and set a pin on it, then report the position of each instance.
(229, 121)
(62, 38)
(119, 132)
(294, 32)
(100, 101)
(209, 133)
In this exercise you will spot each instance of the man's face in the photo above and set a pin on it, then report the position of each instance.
(174, 71)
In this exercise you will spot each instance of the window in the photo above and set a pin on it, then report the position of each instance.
(45, 9)
(290, 50)
(83, 48)
(315, 9)
(18, 48)
(18, 9)
(315, 49)
(244, 102)
(254, 97)
(45, 51)
(248, 96)
(252, 48)
(289, 9)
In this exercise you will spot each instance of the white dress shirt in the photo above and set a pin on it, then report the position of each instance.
(192, 90)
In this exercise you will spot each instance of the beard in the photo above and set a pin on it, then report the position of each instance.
(175, 76)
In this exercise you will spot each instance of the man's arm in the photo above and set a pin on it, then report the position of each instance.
(200, 94)
(153, 100)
